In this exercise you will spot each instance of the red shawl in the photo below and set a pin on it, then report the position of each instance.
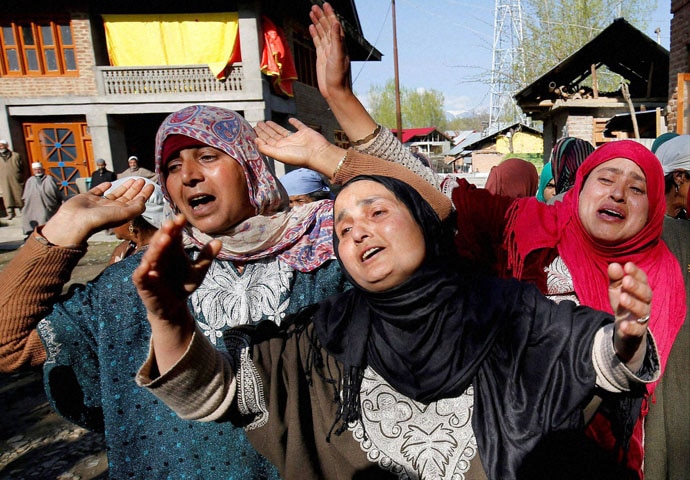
(533, 225)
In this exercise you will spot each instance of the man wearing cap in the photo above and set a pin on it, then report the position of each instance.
(674, 155)
(11, 178)
(305, 186)
(102, 175)
(41, 197)
(135, 170)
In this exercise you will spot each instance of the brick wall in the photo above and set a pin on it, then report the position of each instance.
(581, 126)
(679, 55)
(83, 84)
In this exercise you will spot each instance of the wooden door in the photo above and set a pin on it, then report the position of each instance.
(64, 149)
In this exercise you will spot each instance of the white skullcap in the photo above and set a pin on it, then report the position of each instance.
(154, 205)
(4, 141)
(674, 154)
(35, 164)
(133, 157)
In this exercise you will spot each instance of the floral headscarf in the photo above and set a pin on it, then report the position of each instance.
(301, 237)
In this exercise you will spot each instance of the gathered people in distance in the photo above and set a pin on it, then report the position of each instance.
(422, 369)
(42, 197)
(135, 170)
(102, 174)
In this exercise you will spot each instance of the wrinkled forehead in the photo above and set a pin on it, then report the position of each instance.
(622, 166)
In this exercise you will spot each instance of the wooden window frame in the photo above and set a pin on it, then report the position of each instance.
(683, 108)
(39, 47)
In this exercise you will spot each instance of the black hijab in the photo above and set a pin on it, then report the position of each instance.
(413, 335)
(443, 329)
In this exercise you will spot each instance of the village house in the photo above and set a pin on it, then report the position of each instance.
(678, 118)
(85, 79)
(428, 141)
(569, 98)
(478, 153)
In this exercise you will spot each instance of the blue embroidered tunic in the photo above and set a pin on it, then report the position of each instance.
(97, 339)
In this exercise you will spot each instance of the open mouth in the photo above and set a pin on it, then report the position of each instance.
(196, 202)
(370, 253)
(611, 213)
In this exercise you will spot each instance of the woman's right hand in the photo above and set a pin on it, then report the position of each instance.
(87, 213)
(332, 60)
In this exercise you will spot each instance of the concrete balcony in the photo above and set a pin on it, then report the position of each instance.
(176, 80)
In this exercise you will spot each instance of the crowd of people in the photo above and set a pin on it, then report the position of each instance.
(255, 327)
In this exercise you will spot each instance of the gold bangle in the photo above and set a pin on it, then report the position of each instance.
(340, 165)
(368, 138)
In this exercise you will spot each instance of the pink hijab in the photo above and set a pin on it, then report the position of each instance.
(533, 225)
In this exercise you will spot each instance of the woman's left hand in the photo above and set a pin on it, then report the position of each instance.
(304, 148)
(164, 279)
(631, 301)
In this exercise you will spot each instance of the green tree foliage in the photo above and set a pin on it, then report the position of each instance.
(418, 108)
(477, 121)
(554, 30)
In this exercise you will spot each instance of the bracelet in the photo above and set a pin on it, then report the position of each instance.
(368, 138)
(340, 165)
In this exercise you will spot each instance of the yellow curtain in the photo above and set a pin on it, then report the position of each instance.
(172, 39)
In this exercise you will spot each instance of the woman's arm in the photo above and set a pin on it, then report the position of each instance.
(164, 280)
(308, 148)
(33, 280)
(631, 300)
(332, 72)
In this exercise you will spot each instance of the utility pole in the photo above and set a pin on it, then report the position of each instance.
(507, 65)
(398, 114)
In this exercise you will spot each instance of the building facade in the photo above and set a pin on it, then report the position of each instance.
(70, 92)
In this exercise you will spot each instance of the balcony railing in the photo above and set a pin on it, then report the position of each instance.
(158, 80)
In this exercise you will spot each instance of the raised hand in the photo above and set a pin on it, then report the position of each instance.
(164, 279)
(332, 61)
(631, 301)
(90, 212)
(303, 148)
(332, 68)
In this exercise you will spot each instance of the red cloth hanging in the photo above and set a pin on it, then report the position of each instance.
(276, 58)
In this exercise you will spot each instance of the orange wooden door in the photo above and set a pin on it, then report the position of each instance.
(64, 149)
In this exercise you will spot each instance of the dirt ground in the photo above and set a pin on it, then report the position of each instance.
(35, 443)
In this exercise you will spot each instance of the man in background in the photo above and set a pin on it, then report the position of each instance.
(41, 198)
(135, 170)
(11, 179)
(102, 174)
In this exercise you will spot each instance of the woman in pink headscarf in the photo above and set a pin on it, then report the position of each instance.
(614, 212)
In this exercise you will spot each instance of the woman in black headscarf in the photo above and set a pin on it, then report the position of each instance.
(418, 369)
